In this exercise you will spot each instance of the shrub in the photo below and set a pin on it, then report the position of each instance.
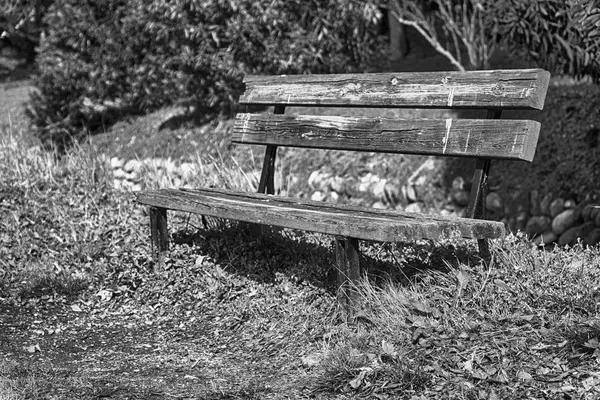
(105, 59)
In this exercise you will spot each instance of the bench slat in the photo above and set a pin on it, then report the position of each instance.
(512, 89)
(504, 139)
(334, 219)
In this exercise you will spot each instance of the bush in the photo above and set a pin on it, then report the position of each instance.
(103, 59)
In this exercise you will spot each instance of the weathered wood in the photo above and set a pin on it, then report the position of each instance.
(158, 232)
(518, 88)
(340, 220)
(348, 270)
(507, 139)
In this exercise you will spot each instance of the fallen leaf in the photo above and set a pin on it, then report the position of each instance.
(75, 308)
(525, 376)
(33, 348)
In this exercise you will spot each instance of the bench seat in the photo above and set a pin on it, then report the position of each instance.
(334, 219)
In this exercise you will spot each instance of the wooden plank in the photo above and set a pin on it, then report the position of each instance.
(339, 220)
(518, 88)
(507, 139)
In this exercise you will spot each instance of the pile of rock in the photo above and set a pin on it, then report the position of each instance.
(547, 221)
(132, 174)
(556, 220)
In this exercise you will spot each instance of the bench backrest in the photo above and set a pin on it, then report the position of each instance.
(485, 139)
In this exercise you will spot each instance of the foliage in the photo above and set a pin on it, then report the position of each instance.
(466, 26)
(104, 59)
(559, 35)
(21, 23)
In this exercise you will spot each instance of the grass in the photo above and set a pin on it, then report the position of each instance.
(85, 313)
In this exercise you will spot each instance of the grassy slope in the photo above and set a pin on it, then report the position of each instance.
(86, 314)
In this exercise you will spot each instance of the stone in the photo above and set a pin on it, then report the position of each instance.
(379, 189)
(545, 204)
(119, 174)
(413, 208)
(379, 205)
(534, 200)
(593, 238)
(493, 202)
(316, 180)
(586, 212)
(337, 184)
(570, 203)
(563, 221)
(460, 198)
(545, 238)
(136, 187)
(557, 206)
(334, 197)
(494, 206)
(570, 236)
(317, 196)
(130, 165)
(116, 163)
(538, 224)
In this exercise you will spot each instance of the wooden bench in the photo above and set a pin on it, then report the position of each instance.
(483, 139)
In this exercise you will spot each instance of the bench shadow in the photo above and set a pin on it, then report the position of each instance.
(261, 253)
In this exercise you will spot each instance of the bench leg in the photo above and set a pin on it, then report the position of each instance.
(348, 271)
(158, 233)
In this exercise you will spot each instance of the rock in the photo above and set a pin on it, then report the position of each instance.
(563, 221)
(413, 208)
(537, 225)
(317, 180)
(130, 165)
(522, 218)
(534, 200)
(570, 203)
(570, 236)
(119, 174)
(116, 162)
(379, 205)
(545, 204)
(379, 189)
(334, 197)
(545, 238)
(133, 176)
(586, 212)
(593, 238)
(317, 196)
(495, 206)
(460, 198)
(136, 187)
(459, 183)
(557, 206)
(493, 202)
(337, 184)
